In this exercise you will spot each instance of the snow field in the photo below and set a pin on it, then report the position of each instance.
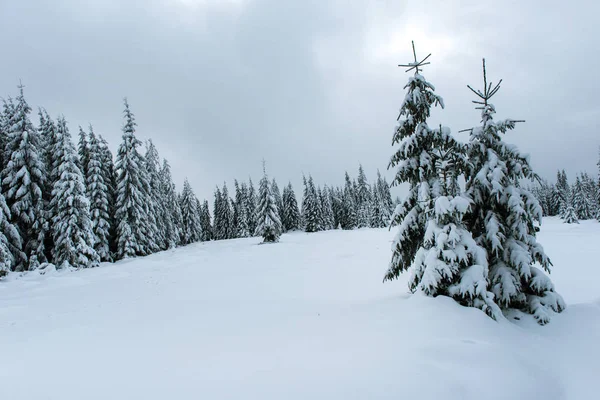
(307, 318)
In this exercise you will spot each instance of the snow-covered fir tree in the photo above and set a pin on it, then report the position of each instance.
(503, 217)
(191, 224)
(97, 191)
(415, 166)
(173, 219)
(205, 224)
(290, 212)
(10, 241)
(23, 181)
(110, 179)
(326, 209)
(363, 200)
(278, 199)
(134, 230)
(241, 211)
(310, 207)
(218, 215)
(251, 206)
(378, 218)
(563, 192)
(570, 216)
(348, 215)
(580, 202)
(71, 226)
(268, 222)
(156, 205)
(84, 151)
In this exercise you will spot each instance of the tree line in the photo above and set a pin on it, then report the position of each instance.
(578, 201)
(74, 206)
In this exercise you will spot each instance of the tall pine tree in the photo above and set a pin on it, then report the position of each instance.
(23, 181)
(269, 224)
(72, 226)
(503, 216)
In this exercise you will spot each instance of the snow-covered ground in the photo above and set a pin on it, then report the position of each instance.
(308, 318)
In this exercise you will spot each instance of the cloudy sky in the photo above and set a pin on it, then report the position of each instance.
(311, 86)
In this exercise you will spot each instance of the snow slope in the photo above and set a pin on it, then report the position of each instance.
(308, 318)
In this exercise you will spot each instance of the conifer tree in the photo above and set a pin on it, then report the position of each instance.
(277, 197)
(363, 199)
(97, 191)
(310, 207)
(48, 142)
(72, 226)
(563, 191)
(503, 215)
(84, 151)
(110, 179)
(156, 204)
(172, 218)
(336, 196)
(10, 241)
(132, 213)
(377, 213)
(218, 215)
(206, 228)
(348, 211)
(570, 216)
(226, 218)
(23, 181)
(580, 202)
(251, 207)
(414, 138)
(291, 213)
(269, 224)
(191, 223)
(241, 211)
(326, 209)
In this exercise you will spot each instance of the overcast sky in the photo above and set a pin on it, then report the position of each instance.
(311, 86)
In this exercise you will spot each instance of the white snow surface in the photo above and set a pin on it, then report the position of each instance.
(306, 318)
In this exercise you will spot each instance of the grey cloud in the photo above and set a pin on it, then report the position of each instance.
(311, 86)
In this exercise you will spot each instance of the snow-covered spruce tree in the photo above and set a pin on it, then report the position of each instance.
(502, 217)
(386, 198)
(363, 199)
(241, 211)
(251, 207)
(191, 224)
(336, 196)
(217, 215)
(156, 205)
(227, 229)
(377, 214)
(206, 228)
(269, 224)
(348, 212)
(580, 202)
(48, 142)
(10, 241)
(83, 148)
(6, 116)
(110, 179)
(291, 213)
(71, 226)
(310, 207)
(278, 199)
(172, 218)
(23, 181)
(134, 233)
(563, 191)
(97, 191)
(416, 166)
(590, 190)
(326, 209)
(570, 216)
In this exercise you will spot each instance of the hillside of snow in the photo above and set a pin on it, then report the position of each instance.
(307, 318)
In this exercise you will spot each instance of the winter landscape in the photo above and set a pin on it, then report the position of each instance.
(256, 220)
